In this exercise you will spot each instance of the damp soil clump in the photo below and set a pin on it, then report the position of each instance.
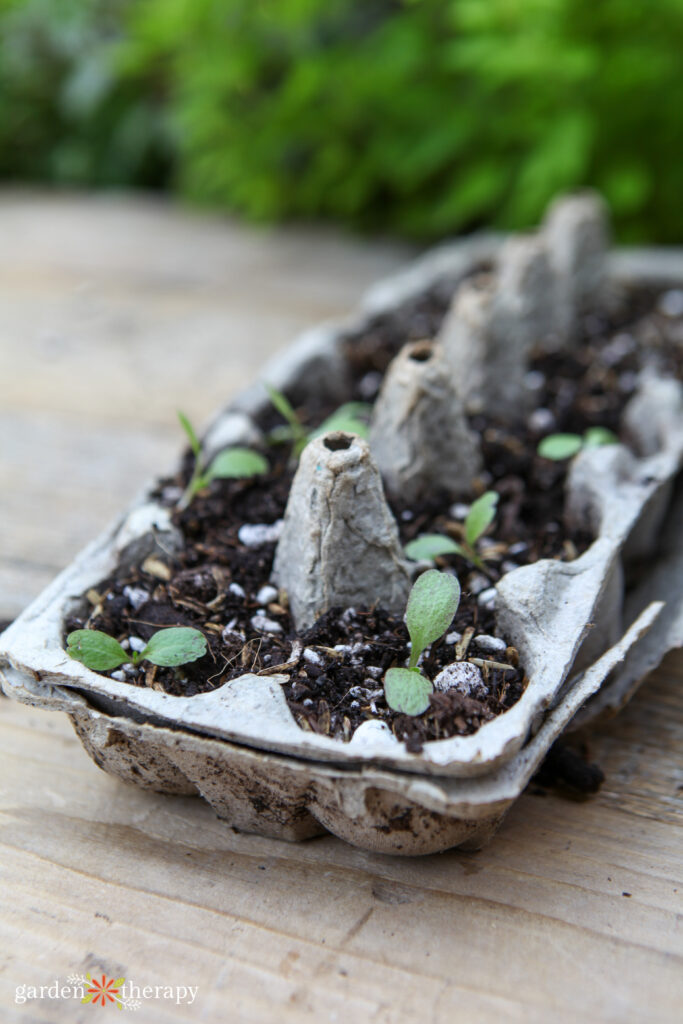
(218, 579)
(568, 771)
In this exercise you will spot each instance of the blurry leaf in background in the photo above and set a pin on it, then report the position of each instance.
(422, 117)
(67, 113)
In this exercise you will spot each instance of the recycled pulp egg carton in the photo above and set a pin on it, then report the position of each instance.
(239, 746)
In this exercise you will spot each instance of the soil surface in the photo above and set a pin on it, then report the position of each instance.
(567, 768)
(218, 579)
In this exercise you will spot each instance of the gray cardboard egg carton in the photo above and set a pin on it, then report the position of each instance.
(585, 646)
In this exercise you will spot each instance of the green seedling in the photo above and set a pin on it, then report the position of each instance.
(167, 648)
(432, 605)
(233, 463)
(432, 545)
(293, 429)
(564, 446)
(351, 417)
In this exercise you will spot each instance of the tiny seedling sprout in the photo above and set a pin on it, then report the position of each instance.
(167, 648)
(351, 418)
(233, 463)
(432, 605)
(564, 446)
(432, 545)
(293, 429)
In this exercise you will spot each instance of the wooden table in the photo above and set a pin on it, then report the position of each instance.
(113, 313)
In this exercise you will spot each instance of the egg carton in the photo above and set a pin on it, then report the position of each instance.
(585, 641)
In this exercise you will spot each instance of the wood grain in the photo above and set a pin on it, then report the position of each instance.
(573, 913)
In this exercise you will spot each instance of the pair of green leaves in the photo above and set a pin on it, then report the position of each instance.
(351, 418)
(167, 648)
(432, 605)
(564, 446)
(433, 545)
(233, 463)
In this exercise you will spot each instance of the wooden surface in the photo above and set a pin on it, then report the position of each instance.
(575, 912)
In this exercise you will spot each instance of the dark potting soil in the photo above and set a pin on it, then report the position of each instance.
(568, 770)
(218, 581)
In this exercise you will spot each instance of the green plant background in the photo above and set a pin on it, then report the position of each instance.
(420, 117)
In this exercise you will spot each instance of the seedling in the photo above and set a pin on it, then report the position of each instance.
(350, 417)
(433, 545)
(233, 463)
(564, 446)
(432, 604)
(177, 645)
(293, 430)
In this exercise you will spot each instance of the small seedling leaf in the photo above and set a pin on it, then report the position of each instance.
(191, 436)
(350, 426)
(431, 546)
(281, 434)
(176, 645)
(480, 516)
(284, 407)
(286, 410)
(432, 604)
(351, 418)
(407, 691)
(95, 650)
(236, 463)
(596, 437)
(560, 446)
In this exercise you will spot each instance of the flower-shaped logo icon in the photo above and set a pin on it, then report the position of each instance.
(103, 991)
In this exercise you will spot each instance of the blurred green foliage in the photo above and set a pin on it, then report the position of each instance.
(68, 111)
(422, 117)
